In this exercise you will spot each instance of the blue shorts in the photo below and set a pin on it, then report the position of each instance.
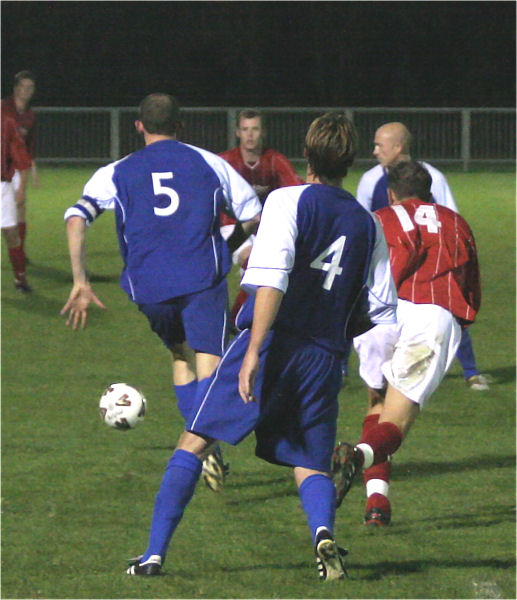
(296, 412)
(200, 319)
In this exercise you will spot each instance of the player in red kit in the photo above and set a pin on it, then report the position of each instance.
(264, 169)
(14, 157)
(18, 108)
(435, 268)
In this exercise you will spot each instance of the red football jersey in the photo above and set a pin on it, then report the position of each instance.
(25, 122)
(14, 152)
(272, 171)
(433, 257)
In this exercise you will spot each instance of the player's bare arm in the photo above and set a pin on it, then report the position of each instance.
(267, 303)
(21, 191)
(82, 293)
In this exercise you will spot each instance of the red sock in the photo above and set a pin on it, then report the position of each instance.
(17, 258)
(384, 439)
(383, 469)
(22, 232)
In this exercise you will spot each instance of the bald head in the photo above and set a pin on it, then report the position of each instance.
(391, 143)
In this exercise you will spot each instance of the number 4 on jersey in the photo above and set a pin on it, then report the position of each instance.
(332, 268)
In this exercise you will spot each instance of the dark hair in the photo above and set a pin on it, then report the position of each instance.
(330, 145)
(23, 75)
(249, 113)
(160, 114)
(409, 179)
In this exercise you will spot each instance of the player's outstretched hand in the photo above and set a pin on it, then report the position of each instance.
(77, 303)
(247, 375)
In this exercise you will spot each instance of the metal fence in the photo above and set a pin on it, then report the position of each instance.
(464, 136)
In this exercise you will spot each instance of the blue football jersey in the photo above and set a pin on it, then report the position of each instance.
(319, 246)
(372, 191)
(380, 193)
(167, 199)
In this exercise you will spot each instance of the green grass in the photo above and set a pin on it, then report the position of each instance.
(77, 496)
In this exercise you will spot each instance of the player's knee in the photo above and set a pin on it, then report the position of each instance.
(190, 442)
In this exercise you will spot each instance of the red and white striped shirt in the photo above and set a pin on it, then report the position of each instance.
(433, 257)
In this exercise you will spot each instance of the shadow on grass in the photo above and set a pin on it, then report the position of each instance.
(384, 568)
(376, 571)
(34, 303)
(415, 469)
(500, 375)
(39, 271)
(492, 515)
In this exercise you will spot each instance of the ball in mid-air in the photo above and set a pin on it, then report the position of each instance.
(122, 406)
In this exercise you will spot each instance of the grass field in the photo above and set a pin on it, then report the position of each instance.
(77, 496)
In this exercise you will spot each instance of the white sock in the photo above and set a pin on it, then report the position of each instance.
(367, 451)
(377, 486)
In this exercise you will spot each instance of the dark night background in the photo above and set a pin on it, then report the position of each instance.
(264, 53)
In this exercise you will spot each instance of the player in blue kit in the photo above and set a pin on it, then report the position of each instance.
(167, 199)
(317, 255)
(392, 144)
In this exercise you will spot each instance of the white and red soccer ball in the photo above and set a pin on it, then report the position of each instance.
(122, 406)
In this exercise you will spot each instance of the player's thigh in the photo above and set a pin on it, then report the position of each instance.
(374, 348)
(205, 319)
(9, 214)
(429, 339)
(206, 364)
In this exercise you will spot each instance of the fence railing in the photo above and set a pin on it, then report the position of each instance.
(463, 136)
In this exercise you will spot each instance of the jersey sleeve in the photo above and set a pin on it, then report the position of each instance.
(99, 194)
(440, 190)
(30, 140)
(272, 257)
(401, 245)
(382, 293)
(285, 172)
(366, 186)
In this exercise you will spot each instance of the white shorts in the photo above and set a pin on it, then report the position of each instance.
(9, 214)
(413, 355)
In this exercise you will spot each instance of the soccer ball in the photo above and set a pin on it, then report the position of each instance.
(122, 406)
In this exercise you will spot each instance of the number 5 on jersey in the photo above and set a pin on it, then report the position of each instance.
(332, 268)
(158, 188)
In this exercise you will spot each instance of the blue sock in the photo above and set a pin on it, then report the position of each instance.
(185, 395)
(176, 490)
(465, 355)
(318, 496)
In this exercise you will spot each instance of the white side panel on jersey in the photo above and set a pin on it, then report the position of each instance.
(242, 199)
(272, 257)
(382, 293)
(440, 189)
